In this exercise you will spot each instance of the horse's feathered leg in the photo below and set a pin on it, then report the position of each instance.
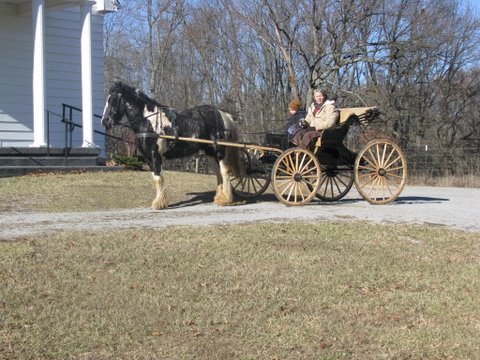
(220, 198)
(160, 201)
(232, 161)
(224, 194)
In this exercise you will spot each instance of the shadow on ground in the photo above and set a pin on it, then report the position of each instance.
(196, 198)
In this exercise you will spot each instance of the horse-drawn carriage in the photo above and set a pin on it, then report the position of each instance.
(327, 170)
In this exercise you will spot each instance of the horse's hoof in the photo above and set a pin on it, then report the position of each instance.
(158, 206)
(218, 203)
(222, 200)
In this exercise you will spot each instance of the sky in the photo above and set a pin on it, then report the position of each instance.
(475, 4)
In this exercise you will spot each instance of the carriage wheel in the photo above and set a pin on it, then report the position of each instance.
(380, 171)
(335, 183)
(295, 176)
(255, 178)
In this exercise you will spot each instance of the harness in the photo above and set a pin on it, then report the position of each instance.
(172, 117)
(168, 111)
(170, 114)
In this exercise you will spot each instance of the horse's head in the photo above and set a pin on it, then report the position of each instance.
(115, 108)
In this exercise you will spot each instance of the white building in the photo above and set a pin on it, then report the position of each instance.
(51, 53)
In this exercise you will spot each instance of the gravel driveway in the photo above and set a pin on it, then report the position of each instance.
(455, 208)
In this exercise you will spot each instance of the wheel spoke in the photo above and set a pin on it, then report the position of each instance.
(384, 183)
(288, 185)
(301, 192)
(240, 183)
(288, 166)
(252, 185)
(373, 158)
(383, 153)
(292, 189)
(323, 180)
(362, 175)
(243, 182)
(394, 175)
(309, 171)
(324, 189)
(253, 180)
(382, 187)
(285, 171)
(370, 158)
(388, 187)
(395, 169)
(285, 182)
(310, 182)
(296, 176)
(372, 178)
(375, 181)
(314, 176)
(393, 151)
(307, 167)
(258, 182)
(303, 166)
(363, 167)
(293, 163)
(378, 155)
(338, 179)
(330, 186)
(393, 162)
(335, 182)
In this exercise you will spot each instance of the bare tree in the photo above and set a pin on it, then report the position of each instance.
(417, 60)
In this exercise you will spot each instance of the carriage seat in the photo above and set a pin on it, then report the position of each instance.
(363, 114)
(348, 116)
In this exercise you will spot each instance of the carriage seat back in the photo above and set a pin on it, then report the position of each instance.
(361, 113)
(348, 116)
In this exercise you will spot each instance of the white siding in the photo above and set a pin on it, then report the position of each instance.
(15, 80)
(63, 75)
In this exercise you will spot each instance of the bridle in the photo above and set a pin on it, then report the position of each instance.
(114, 109)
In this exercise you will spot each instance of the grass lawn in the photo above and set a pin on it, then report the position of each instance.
(258, 291)
(96, 191)
(330, 291)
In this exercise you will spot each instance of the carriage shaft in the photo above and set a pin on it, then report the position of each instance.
(223, 143)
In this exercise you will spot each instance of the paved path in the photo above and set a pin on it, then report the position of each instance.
(455, 208)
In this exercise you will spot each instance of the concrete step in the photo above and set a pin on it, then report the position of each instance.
(49, 161)
(15, 161)
(8, 171)
(26, 151)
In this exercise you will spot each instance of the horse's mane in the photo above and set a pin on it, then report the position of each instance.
(137, 94)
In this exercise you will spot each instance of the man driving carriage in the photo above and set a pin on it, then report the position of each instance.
(321, 115)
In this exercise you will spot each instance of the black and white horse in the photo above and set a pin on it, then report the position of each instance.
(147, 118)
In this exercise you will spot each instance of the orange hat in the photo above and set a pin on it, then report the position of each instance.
(294, 104)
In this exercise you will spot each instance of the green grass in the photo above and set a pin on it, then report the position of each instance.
(330, 291)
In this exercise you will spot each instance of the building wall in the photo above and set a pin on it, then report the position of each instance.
(63, 75)
(15, 79)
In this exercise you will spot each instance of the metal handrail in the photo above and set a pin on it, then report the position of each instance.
(70, 126)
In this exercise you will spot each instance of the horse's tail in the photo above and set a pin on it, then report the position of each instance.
(232, 154)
